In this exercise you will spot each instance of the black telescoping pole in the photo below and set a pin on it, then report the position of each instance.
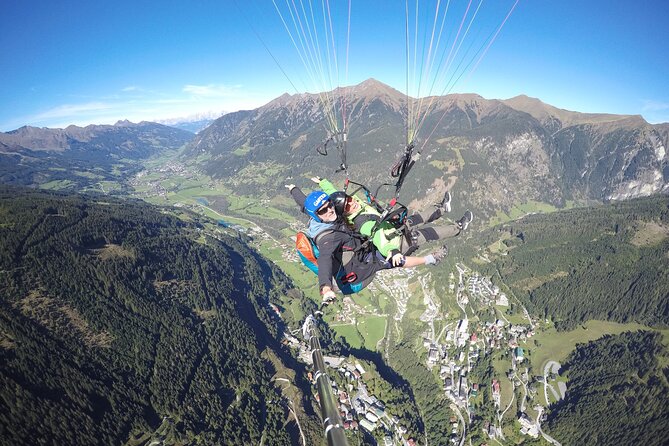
(332, 422)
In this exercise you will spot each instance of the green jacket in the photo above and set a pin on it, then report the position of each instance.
(386, 238)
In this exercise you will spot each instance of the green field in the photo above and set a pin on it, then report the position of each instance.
(368, 331)
(57, 185)
(241, 151)
(188, 190)
(498, 247)
(86, 174)
(293, 306)
(372, 328)
(556, 346)
(520, 210)
(502, 366)
(461, 159)
(514, 318)
(350, 333)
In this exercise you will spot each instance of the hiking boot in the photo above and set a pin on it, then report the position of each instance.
(465, 220)
(445, 202)
(440, 254)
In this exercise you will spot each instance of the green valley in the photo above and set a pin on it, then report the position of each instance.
(397, 321)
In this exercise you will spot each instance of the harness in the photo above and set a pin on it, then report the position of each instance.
(348, 282)
(361, 251)
(394, 213)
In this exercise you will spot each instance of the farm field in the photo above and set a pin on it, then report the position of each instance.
(557, 346)
(367, 331)
(520, 209)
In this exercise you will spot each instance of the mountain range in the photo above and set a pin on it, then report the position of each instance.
(122, 324)
(491, 153)
(82, 156)
(123, 139)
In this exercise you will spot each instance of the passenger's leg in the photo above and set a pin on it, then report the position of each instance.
(425, 217)
(411, 261)
(430, 259)
(430, 234)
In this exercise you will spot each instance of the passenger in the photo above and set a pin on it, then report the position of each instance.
(387, 239)
(342, 253)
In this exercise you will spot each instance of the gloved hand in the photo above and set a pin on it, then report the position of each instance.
(329, 296)
(396, 260)
(289, 187)
(316, 180)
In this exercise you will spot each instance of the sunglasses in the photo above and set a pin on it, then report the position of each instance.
(324, 209)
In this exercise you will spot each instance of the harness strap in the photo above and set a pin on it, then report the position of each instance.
(362, 249)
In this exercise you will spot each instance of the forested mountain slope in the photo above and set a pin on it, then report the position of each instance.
(618, 393)
(114, 316)
(608, 262)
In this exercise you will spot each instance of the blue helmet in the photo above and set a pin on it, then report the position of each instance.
(315, 201)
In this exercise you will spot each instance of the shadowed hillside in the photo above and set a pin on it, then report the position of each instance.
(120, 325)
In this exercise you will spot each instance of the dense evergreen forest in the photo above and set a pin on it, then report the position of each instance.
(118, 321)
(607, 262)
(618, 393)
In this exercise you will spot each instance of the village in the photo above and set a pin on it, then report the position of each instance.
(468, 339)
(359, 409)
(451, 353)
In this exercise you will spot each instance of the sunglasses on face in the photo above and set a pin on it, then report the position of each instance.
(324, 209)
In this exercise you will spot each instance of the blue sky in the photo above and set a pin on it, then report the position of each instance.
(83, 62)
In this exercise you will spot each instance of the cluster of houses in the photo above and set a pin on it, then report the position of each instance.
(483, 288)
(500, 334)
(466, 341)
(468, 347)
(394, 282)
(156, 188)
(357, 407)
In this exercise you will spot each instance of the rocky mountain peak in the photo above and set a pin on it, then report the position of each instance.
(285, 100)
(373, 88)
(58, 140)
(511, 150)
(124, 123)
(36, 138)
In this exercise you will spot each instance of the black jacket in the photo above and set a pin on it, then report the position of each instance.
(340, 253)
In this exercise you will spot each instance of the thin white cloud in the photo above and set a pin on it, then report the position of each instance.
(655, 106)
(137, 104)
(212, 90)
(69, 110)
